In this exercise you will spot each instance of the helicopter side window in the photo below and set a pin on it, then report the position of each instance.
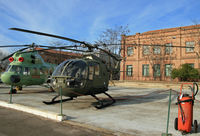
(96, 69)
(91, 72)
(26, 71)
(34, 71)
(41, 71)
(46, 71)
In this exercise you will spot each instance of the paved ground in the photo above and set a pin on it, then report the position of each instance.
(16, 123)
(138, 111)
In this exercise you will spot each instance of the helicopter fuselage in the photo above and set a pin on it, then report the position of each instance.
(26, 69)
(79, 77)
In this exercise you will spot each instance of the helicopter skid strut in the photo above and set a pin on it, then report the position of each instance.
(54, 101)
(101, 104)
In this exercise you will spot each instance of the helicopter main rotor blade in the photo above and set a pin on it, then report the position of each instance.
(77, 50)
(46, 34)
(65, 49)
(89, 46)
(5, 46)
(13, 53)
(55, 36)
(25, 45)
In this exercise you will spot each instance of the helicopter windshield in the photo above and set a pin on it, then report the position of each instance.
(8, 68)
(73, 69)
(14, 68)
(59, 68)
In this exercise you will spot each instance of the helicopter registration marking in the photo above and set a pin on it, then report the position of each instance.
(35, 76)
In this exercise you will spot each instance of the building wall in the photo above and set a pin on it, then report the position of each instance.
(175, 36)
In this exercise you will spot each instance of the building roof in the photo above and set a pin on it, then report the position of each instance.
(60, 52)
(169, 30)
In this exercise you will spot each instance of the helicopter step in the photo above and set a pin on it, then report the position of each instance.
(54, 101)
(101, 103)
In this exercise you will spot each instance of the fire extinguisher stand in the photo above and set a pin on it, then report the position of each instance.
(185, 102)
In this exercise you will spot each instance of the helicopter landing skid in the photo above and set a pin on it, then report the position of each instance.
(101, 104)
(54, 101)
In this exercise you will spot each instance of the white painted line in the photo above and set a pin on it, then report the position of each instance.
(43, 113)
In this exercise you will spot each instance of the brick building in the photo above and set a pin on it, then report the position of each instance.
(142, 60)
(56, 57)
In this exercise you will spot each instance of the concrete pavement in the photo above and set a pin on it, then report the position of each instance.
(138, 111)
(16, 123)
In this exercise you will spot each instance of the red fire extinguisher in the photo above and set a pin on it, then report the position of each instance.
(184, 122)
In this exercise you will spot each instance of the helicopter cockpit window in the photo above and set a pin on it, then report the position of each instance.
(91, 72)
(17, 69)
(75, 69)
(26, 71)
(59, 69)
(8, 68)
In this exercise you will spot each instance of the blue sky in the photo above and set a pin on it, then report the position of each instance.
(85, 20)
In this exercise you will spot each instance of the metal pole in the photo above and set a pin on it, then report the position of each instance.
(170, 92)
(11, 88)
(169, 104)
(124, 59)
(61, 110)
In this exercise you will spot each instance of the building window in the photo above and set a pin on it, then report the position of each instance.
(156, 70)
(191, 65)
(145, 69)
(156, 50)
(189, 44)
(129, 51)
(129, 70)
(146, 50)
(168, 48)
(168, 69)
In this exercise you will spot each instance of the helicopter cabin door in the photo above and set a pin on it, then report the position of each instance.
(27, 76)
(35, 74)
(94, 75)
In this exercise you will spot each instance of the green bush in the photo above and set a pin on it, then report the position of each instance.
(185, 73)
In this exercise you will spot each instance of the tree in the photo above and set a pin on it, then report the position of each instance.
(3, 64)
(185, 73)
(111, 38)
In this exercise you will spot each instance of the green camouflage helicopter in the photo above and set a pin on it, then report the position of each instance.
(86, 76)
(26, 68)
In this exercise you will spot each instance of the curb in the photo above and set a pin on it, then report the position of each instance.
(42, 113)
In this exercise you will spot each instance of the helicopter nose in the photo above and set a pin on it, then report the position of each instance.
(5, 78)
(9, 79)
